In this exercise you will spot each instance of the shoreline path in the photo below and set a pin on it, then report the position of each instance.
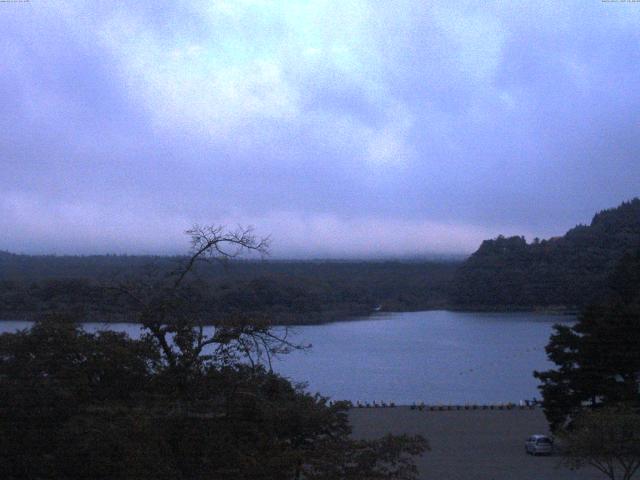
(470, 444)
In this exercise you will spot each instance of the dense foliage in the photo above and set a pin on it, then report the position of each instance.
(569, 271)
(77, 405)
(608, 440)
(598, 358)
(179, 403)
(288, 292)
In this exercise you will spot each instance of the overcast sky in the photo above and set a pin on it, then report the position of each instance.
(340, 128)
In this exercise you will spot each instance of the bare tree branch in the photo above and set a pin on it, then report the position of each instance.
(209, 242)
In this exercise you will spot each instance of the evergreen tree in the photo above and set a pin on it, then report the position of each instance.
(598, 358)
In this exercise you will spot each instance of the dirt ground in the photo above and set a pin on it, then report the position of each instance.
(471, 444)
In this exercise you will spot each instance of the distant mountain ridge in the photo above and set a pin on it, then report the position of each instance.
(569, 271)
(504, 273)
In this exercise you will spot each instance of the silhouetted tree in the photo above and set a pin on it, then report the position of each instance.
(182, 402)
(598, 363)
(598, 358)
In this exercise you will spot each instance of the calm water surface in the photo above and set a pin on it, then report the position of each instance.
(434, 356)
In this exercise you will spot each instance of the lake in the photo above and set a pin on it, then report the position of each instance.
(432, 357)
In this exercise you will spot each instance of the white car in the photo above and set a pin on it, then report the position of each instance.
(539, 445)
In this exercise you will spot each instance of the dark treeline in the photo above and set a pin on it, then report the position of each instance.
(178, 403)
(566, 272)
(570, 271)
(287, 291)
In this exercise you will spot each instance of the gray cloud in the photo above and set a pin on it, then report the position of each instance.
(342, 128)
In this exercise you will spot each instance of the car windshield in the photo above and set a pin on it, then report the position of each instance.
(544, 441)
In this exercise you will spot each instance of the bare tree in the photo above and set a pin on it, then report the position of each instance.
(175, 315)
(198, 402)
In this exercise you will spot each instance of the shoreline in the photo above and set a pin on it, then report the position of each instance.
(329, 317)
(470, 444)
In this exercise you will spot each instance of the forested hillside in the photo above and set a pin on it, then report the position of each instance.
(569, 271)
(286, 291)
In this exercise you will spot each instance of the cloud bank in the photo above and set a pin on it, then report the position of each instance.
(351, 128)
